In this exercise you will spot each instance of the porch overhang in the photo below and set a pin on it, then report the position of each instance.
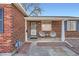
(51, 18)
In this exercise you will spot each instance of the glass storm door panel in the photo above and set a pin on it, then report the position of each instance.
(33, 28)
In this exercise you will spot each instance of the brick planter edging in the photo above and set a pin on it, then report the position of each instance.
(53, 44)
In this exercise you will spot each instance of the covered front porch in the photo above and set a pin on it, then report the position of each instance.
(45, 29)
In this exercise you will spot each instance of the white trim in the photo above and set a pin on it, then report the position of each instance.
(25, 30)
(19, 6)
(50, 18)
(62, 31)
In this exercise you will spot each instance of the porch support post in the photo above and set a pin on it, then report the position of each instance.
(25, 30)
(63, 31)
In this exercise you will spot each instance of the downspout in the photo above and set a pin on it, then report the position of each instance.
(13, 36)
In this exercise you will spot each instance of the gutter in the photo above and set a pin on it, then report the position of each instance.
(20, 7)
(50, 18)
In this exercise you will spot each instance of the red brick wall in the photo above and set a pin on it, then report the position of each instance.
(7, 37)
(19, 24)
(56, 26)
(72, 34)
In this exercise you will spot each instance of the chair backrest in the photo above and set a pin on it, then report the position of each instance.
(53, 34)
(41, 33)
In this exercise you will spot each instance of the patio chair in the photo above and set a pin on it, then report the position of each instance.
(42, 34)
(53, 34)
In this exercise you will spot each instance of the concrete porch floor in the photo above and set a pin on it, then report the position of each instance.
(47, 39)
(36, 50)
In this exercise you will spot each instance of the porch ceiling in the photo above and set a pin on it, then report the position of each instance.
(51, 18)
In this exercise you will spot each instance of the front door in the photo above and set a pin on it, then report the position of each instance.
(33, 29)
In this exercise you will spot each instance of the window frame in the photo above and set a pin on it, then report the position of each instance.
(2, 20)
(44, 23)
(70, 25)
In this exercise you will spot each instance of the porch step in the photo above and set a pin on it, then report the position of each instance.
(53, 44)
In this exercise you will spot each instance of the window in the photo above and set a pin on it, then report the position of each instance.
(71, 26)
(1, 20)
(46, 26)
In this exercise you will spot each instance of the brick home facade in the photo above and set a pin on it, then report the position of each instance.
(16, 25)
(13, 27)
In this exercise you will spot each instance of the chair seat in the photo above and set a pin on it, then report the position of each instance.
(42, 34)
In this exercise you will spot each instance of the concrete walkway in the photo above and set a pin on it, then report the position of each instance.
(35, 50)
